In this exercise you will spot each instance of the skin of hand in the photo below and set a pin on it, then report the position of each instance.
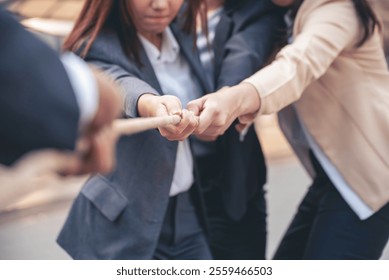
(50, 162)
(150, 105)
(218, 110)
(95, 151)
(98, 142)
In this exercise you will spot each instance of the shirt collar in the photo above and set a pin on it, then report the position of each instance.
(169, 49)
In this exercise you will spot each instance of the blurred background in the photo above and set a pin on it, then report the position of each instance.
(29, 226)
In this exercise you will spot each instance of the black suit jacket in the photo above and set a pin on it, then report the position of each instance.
(244, 39)
(38, 108)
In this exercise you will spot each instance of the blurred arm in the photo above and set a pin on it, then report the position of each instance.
(84, 85)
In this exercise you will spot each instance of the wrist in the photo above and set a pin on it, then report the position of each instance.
(146, 105)
(248, 98)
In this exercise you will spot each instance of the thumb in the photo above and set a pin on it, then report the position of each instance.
(196, 106)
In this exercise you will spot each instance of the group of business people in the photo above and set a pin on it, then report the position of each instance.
(195, 190)
(203, 197)
(168, 199)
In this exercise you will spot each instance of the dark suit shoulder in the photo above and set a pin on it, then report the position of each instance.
(245, 12)
(34, 85)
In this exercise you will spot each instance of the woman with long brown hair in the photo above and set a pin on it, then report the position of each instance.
(334, 76)
(149, 207)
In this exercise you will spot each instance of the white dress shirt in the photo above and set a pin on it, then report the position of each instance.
(175, 78)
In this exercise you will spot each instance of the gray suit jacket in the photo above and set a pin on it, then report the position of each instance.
(119, 216)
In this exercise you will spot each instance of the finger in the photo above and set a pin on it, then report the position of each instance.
(185, 121)
(193, 123)
(173, 132)
(162, 111)
(196, 106)
(205, 120)
(172, 104)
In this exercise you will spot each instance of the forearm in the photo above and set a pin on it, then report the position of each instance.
(218, 110)
(131, 87)
(244, 99)
(146, 105)
(308, 58)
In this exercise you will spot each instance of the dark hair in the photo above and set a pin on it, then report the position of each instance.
(98, 14)
(368, 19)
(365, 14)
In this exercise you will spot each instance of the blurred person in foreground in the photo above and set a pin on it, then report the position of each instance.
(52, 103)
(150, 206)
(334, 77)
(241, 37)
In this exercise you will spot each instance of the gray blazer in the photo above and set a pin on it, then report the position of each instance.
(119, 216)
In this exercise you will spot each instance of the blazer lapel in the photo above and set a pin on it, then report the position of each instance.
(147, 71)
(107, 44)
(191, 55)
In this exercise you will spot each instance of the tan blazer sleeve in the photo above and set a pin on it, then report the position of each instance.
(324, 33)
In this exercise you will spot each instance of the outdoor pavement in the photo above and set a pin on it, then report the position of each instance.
(30, 232)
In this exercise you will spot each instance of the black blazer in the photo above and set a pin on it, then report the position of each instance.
(244, 39)
(38, 108)
(119, 216)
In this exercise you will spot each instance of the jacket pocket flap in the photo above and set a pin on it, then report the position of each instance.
(108, 200)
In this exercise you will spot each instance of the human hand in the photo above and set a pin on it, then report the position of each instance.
(41, 162)
(97, 151)
(161, 106)
(34, 171)
(218, 110)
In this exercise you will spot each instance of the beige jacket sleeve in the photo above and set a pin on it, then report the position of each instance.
(323, 33)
